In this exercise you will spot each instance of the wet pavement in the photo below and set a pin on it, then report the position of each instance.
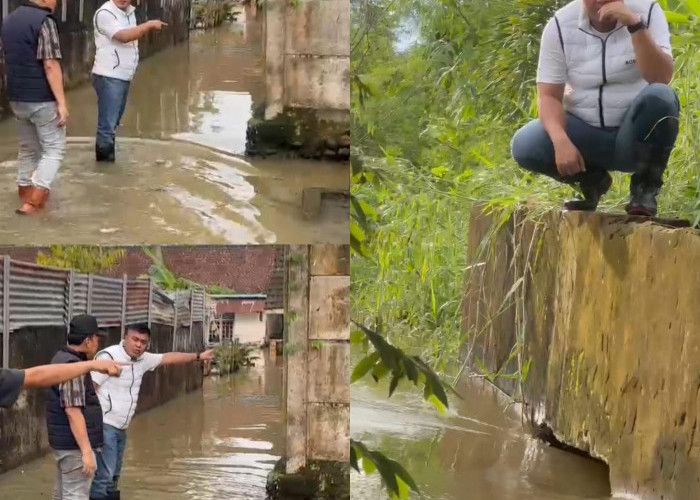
(479, 451)
(179, 175)
(218, 442)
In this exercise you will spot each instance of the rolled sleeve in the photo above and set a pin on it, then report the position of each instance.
(49, 46)
(658, 29)
(11, 382)
(551, 67)
(72, 393)
(107, 24)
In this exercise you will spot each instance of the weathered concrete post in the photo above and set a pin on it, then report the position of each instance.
(307, 80)
(317, 375)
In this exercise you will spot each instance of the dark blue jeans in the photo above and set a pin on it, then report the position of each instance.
(109, 462)
(652, 117)
(111, 102)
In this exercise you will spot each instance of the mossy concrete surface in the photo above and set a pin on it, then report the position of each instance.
(596, 317)
(318, 480)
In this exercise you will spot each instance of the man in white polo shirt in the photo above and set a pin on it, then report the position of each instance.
(116, 60)
(604, 101)
(119, 396)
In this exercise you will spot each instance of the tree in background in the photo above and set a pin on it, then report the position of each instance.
(82, 258)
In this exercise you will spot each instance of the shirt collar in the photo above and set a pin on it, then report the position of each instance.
(584, 21)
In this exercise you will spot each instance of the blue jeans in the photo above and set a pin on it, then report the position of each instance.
(109, 462)
(652, 117)
(111, 102)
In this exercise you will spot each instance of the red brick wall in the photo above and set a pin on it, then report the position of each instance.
(245, 269)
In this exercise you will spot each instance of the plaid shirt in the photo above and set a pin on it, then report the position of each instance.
(72, 393)
(49, 43)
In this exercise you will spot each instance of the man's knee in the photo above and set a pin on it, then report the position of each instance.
(662, 97)
(518, 148)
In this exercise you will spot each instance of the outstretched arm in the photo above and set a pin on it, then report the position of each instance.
(48, 375)
(173, 358)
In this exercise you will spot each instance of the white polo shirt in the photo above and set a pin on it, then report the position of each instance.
(598, 69)
(112, 57)
(119, 395)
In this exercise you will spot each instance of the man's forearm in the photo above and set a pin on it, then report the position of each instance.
(54, 75)
(48, 375)
(654, 64)
(131, 34)
(173, 358)
(553, 118)
(78, 428)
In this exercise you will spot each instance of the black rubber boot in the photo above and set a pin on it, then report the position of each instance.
(104, 154)
(114, 495)
(650, 163)
(594, 184)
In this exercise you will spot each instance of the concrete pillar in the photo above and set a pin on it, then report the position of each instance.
(274, 36)
(295, 357)
(316, 373)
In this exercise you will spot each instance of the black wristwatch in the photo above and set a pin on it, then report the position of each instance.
(641, 25)
(198, 356)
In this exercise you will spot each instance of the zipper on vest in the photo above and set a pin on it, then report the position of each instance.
(131, 394)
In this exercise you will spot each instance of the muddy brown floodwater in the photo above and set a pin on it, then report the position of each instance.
(218, 442)
(179, 175)
(478, 452)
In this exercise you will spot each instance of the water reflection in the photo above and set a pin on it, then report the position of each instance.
(219, 442)
(480, 448)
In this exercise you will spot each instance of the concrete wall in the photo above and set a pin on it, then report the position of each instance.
(23, 427)
(307, 55)
(249, 329)
(76, 32)
(607, 316)
(317, 355)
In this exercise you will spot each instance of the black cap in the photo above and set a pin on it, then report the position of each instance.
(85, 325)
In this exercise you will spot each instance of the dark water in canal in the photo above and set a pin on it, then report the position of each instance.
(178, 175)
(479, 451)
(220, 442)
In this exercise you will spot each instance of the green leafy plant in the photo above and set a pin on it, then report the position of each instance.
(82, 258)
(231, 357)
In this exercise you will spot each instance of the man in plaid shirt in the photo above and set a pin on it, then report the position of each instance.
(74, 415)
(32, 53)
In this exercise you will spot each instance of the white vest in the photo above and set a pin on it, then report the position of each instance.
(603, 78)
(113, 58)
(119, 395)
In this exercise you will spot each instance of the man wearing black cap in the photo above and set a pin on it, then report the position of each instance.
(74, 415)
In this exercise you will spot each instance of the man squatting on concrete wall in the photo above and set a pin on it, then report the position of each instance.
(32, 51)
(604, 101)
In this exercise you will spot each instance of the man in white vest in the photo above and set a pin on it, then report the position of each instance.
(119, 396)
(604, 101)
(116, 60)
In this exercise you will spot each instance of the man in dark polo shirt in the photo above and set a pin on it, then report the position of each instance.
(12, 381)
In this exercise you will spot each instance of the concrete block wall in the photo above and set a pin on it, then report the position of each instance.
(317, 352)
(307, 55)
(607, 315)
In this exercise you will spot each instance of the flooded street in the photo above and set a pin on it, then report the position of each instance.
(219, 442)
(179, 174)
(479, 452)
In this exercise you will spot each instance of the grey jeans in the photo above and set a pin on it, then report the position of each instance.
(42, 143)
(70, 482)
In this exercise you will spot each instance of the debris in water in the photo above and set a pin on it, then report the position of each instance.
(109, 230)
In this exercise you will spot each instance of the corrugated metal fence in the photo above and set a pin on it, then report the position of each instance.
(34, 295)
